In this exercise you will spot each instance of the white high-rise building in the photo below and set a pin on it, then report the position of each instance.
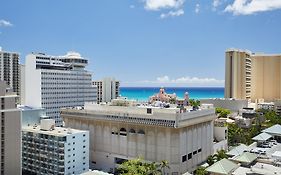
(54, 82)
(54, 150)
(9, 69)
(107, 89)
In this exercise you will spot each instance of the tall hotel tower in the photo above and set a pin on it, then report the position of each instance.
(107, 89)
(10, 132)
(237, 74)
(54, 82)
(9, 69)
(252, 76)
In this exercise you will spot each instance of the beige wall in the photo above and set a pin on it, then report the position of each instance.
(264, 82)
(266, 77)
(235, 74)
(158, 143)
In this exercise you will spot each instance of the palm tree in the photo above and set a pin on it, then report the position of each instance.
(221, 154)
(163, 165)
(200, 171)
(210, 160)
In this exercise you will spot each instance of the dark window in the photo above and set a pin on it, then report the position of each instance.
(149, 111)
(194, 152)
(189, 156)
(183, 159)
(199, 150)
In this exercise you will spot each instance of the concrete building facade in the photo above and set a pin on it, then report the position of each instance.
(10, 145)
(9, 69)
(107, 89)
(54, 150)
(119, 133)
(54, 82)
(252, 76)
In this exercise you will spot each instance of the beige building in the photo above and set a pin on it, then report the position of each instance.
(252, 76)
(119, 133)
(107, 89)
(10, 132)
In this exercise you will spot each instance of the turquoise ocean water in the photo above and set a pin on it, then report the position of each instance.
(143, 93)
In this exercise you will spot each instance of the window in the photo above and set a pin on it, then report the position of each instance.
(183, 159)
(123, 132)
(189, 156)
(199, 150)
(149, 111)
(141, 132)
(194, 152)
(73, 137)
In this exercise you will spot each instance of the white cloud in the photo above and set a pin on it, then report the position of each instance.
(172, 13)
(168, 8)
(180, 81)
(4, 23)
(247, 7)
(163, 4)
(197, 8)
(216, 3)
(132, 6)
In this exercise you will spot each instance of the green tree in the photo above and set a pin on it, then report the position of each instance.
(194, 103)
(140, 167)
(221, 154)
(221, 112)
(210, 160)
(200, 171)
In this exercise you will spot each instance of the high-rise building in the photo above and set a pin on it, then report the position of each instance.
(54, 82)
(22, 83)
(54, 150)
(237, 74)
(252, 76)
(120, 131)
(10, 145)
(107, 89)
(9, 69)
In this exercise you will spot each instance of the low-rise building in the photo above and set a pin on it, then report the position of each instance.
(227, 103)
(47, 149)
(119, 133)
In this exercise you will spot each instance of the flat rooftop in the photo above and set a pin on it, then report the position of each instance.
(58, 131)
(169, 117)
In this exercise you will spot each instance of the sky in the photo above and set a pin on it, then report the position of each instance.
(144, 42)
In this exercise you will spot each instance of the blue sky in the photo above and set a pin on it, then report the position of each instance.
(144, 42)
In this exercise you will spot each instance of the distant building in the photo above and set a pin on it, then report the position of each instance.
(10, 145)
(107, 89)
(122, 132)
(22, 84)
(252, 76)
(9, 69)
(233, 105)
(47, 149)
(54, 82)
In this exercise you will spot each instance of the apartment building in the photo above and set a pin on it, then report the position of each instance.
(54, 82)
(252, 76)
(107, 89)
(122, 131)
(10, 132)
(9, 69)
(47, 149)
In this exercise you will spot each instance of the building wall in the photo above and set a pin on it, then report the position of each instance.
(108, 142)
(237, 77)
(9, 69)
(10, 145)
(22, 84)
(232, 104)
(53, 89)
(107, 89)
(252, 76)
(266, 71)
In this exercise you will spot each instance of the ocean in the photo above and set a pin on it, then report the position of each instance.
(143, 93)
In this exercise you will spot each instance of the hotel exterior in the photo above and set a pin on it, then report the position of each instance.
(10, 145)
(54, 82)
(54, 150)
(252, 76)
(119, 133)
(107, 89)
(9, 69)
